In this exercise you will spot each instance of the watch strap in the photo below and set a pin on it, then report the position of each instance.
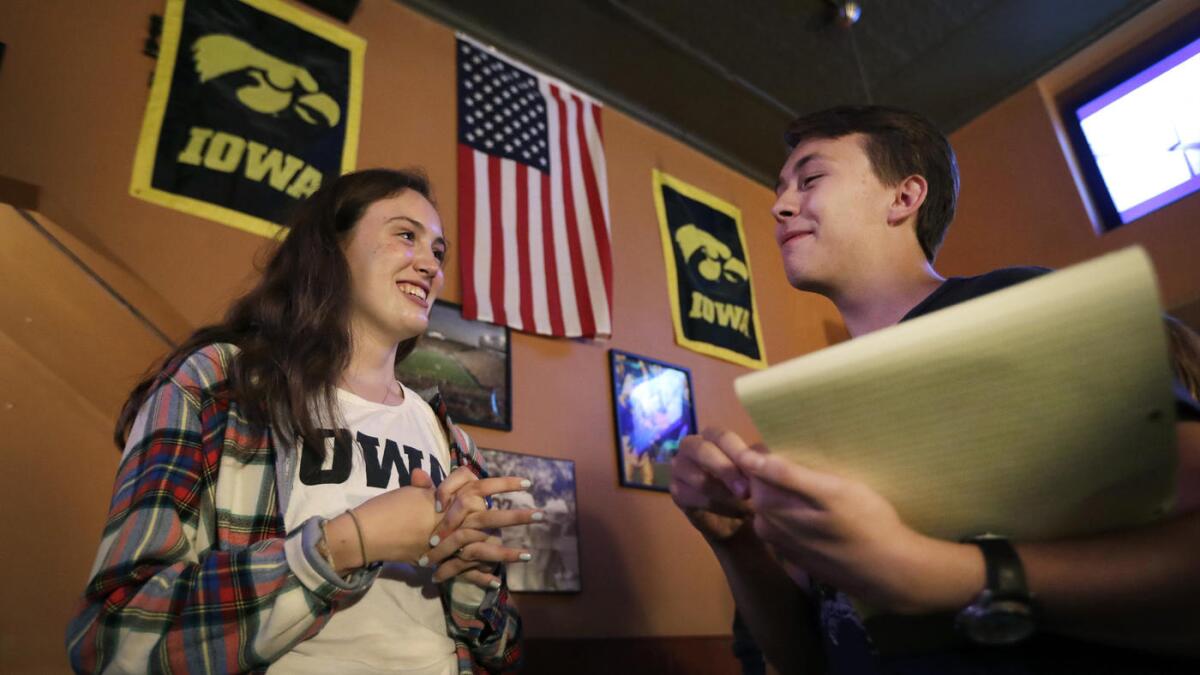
(1005, 573)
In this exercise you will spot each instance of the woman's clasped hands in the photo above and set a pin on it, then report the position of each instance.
(451, 528)
(465, 542)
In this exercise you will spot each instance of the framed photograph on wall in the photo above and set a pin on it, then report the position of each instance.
(469, 361)
(554, 542)
(653, 410)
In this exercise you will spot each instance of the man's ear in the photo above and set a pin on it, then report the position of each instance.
(908, 196)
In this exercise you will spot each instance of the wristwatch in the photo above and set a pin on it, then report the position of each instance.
(1002, 614)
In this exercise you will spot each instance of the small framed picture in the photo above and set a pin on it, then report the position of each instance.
(554, 542)
(653, 410)
(469, 362)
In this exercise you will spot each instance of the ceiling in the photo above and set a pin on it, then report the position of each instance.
(726, 76)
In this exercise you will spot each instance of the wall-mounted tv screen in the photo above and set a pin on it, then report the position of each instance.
(1137, 135)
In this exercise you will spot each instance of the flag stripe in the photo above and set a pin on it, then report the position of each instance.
(483, 239)
(578, 272)
(589, 261)
(558, 217)
(497, 251)
(589, 255)
(524, 296)
(599, 231)
(466, 235)
(596, 152)
(553, 299)
(508, 220)
(535, 253)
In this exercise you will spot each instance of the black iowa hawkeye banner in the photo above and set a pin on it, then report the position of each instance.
(708, 273)
(254, 104)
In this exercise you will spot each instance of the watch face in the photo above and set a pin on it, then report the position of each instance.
(1002, 622)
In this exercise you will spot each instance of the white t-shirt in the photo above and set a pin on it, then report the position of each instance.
(398, 626)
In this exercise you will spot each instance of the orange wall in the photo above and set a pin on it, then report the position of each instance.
(73, 87)
(1019, 203)
(72, 90)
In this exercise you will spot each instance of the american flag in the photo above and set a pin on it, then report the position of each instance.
(532, 200)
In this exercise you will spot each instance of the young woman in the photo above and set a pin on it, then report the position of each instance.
(282, 500)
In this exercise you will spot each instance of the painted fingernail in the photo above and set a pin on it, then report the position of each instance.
(526, 557)
(423, 561)
(526, 484)
(437, 506)
(433, 541)
(494, 584)
(538, 516)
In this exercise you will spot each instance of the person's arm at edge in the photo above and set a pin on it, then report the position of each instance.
(1138, 587)
(779, 614)
(1134, 588)
(712, 492)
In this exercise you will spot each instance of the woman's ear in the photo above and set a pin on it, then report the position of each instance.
(908, 196)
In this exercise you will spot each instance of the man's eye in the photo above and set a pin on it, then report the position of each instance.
(807, 182)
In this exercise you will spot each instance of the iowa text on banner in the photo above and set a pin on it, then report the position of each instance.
(708, 273)
(532, 200)
(254, 104)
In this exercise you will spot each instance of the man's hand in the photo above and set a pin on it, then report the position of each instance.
(843, 532)
(707, 484)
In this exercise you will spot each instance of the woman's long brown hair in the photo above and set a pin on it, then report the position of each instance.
(293, 327)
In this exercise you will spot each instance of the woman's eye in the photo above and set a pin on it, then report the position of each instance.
(440, 255)
(407, 234)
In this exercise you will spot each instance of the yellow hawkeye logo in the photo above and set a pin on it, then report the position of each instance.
(716, 261)
(719, 272)
(278, 85)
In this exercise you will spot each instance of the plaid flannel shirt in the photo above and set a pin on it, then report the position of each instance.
(195, 573)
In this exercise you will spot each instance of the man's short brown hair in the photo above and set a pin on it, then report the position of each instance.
(898, 144)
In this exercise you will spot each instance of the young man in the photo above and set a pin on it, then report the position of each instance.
(863, 202)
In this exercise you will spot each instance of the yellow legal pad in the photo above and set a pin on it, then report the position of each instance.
(1038, 411)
